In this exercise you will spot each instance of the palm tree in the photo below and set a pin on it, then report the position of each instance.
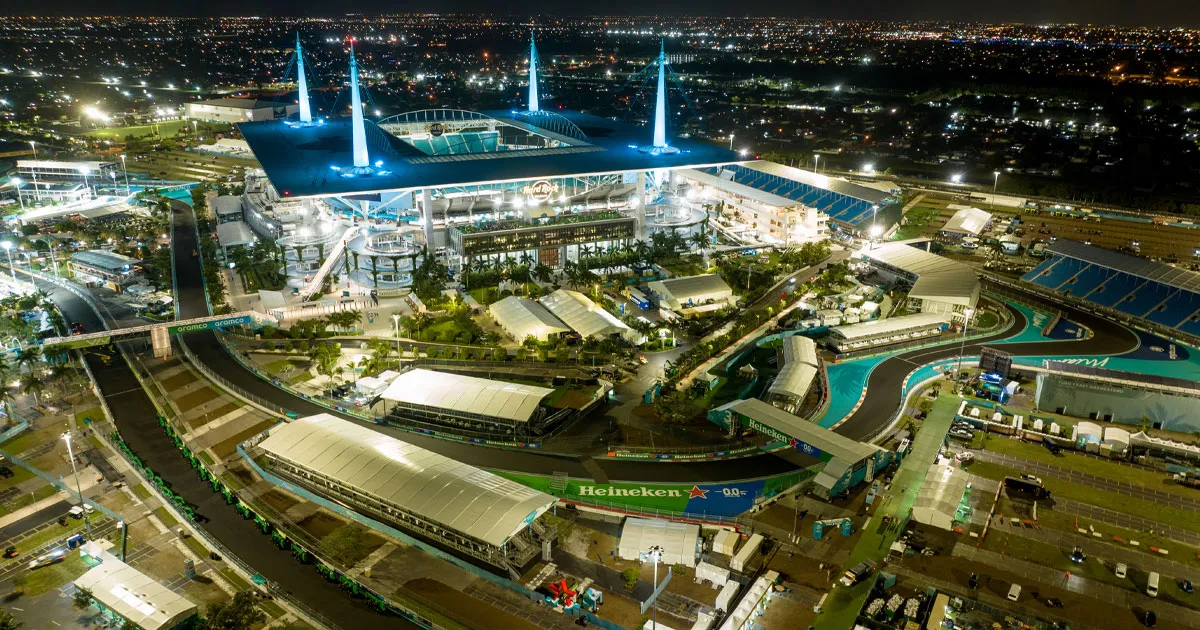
(34, 388)
(29, 358)
(542, 272)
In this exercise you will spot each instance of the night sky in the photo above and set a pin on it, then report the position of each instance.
(1122, 12)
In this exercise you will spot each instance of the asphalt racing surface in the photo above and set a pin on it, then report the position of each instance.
(882, 399)
(136, 419)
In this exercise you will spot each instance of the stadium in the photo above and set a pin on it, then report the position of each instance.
(535, 186)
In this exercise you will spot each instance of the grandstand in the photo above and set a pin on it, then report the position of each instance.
(884, 332)
(797, 374)
(449, 503)
(1082, 391)
(467, 403)
(1158, 294)
(849, 206)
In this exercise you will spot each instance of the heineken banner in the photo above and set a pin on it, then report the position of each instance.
(713, 499)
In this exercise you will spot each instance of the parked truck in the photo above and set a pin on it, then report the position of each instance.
(857, 573)
(1031, 487)
(1188, 479)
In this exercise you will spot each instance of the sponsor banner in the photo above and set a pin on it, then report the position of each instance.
(61, 346)
(216, 323)
(697, 500)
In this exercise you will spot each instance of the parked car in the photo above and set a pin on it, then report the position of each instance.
(962, 435)
(1077, 554)
(965, 457)
(1121, 570)
(1186, 586)
(6, 472)
(1148, 618)
(46, 560)
(1014, 592)
(11, 552)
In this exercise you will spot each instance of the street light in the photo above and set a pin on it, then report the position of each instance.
(656, 553)
(995, 182)
(396, 323)
(962, 346)
(730, 140)
(85, 170)
(17, 181)
(7, 245)
(87, 524)
(816, 162)
(36, 193)
(126, 172)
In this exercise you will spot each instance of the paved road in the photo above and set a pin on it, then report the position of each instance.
(49, 513)
(1099, 482)
(135, 418)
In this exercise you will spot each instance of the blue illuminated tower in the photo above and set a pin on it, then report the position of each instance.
(660, 105)
(533, 86)
(358, 129)
(305, 112)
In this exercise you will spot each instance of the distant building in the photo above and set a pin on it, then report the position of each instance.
(550, 241)
(92, 172)
(237, 110)
(110, 269)
(764, 216)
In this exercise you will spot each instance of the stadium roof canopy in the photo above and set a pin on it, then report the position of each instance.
(472, 501)
(466, 394)
(298, 160)
(696, 288)
(799, 369)
(583, 315)
(968, 221)
(938, 278)
(889, 326)
(522, 317)
(1140, 267)
(134, 595)
(741, 190)
(817, 180)
(104, 259)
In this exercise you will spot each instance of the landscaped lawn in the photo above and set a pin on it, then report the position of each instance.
(915, 221)
(46, 579)
(1048, 555)
(168, 128)
(93, 414)
(26, 498)
(1183, 519)
(1086, 464)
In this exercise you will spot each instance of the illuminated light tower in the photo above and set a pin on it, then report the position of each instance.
(533, 88)
(660, 146)
(358, 128)
(305, 112)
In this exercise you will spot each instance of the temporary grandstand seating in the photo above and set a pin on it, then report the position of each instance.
(1057, 273)
(1086, 281)
(440, 145)
(1191, 326)
(1145, 298)
(1115, 289)
(458, 143)
(838, 206)
(1176, 309)
(422, 144)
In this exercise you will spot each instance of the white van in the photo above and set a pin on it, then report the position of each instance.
(1152, 584)
(1014, 593)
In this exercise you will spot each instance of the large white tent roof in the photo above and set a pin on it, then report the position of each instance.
(697, 288)
(466, 394)
(938, 278)
(799, 369)
(583, 315)
(889, 326)
(135, 595)
(938, 500)
(968, 221)
(457, 495)
(522, 317)
(678, 540)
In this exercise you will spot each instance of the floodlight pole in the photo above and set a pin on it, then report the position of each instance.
(87, 523)
(962, 346)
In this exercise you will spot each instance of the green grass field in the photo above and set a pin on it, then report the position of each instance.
(46, 579)
(168, 128)
(916, 220)
(1088, 465)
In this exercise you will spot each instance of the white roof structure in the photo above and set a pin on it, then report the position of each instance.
(741, 190)
(696, 289)
(889, 326)
(799, 369)
(233, 233)
(522, 317)
(135, 595)
(472, 501)
(583, 315)
(227, 204)
(939, 497)
(834, 184)
(938, 278)
(466, 394)
(968, 221)
(678, 540)
(786, 426)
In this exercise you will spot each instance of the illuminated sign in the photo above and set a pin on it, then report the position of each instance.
(540, 190)
(219, 323)
(437, 129)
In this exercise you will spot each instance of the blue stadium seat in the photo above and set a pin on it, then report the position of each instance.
(457, 144)
(474, 142)
(1085, 281)
(859, 211)
(441, 146)
(422, 145)
(1176, 310)
(1145, 298)
(1115, 289)
(1038, 270)
(1058, 273)
(491, 141)
(1190, 326)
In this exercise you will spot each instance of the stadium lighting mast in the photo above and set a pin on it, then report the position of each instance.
(357, 127)
(660, 104)
(305, 112)
(533, 86)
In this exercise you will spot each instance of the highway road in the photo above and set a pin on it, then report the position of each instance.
(882, 399)
(135, 417)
